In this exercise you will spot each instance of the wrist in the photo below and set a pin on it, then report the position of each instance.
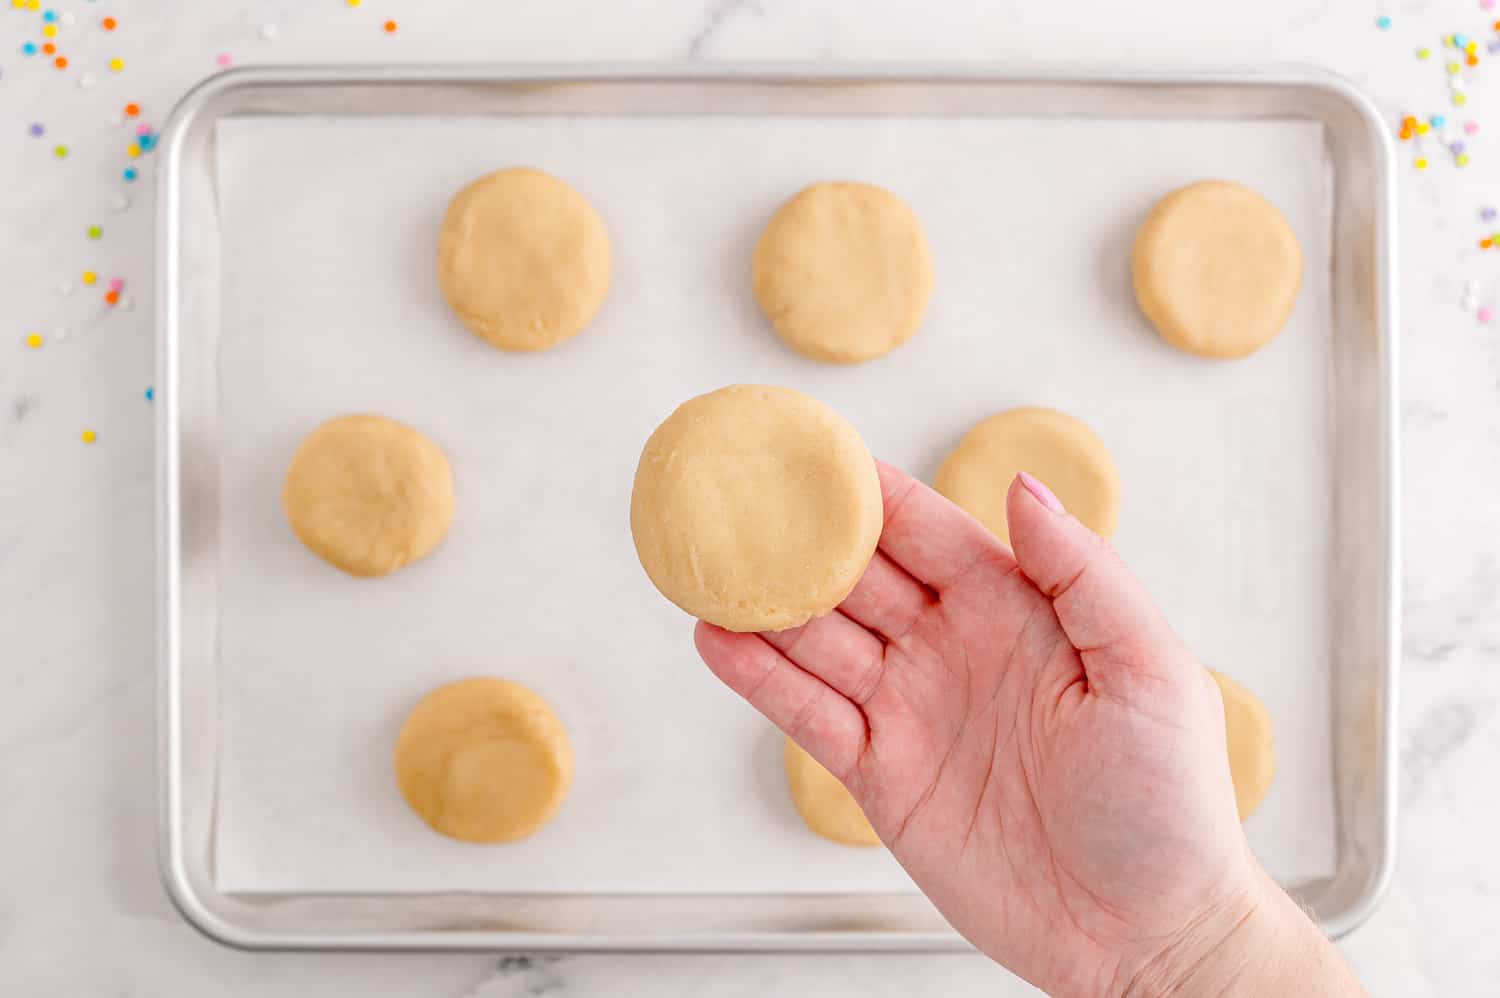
(1257, 943)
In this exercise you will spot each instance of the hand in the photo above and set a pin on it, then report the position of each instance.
(1032, 742)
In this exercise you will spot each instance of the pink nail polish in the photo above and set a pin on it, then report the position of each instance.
(1043, 494)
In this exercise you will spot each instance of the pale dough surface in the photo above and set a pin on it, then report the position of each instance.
(523, 259)
(1252, 760)
(755, 508)
(843, 272)
(368, 495)
(484, 760)
(1216, 269)
(824, 803)
(1063, 452)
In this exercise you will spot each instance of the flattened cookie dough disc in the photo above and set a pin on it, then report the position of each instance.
(828, 808)
(755, 508)
(484, 760)
(523, 259)
(1216, 269)
(843, 272)
(1063, 452)
(368, 495)
(1252, 761)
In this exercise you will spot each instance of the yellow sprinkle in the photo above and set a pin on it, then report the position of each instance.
(1460, 99)
(1471, 48)
(1463, 159)
(49, 31)
(33, 4)
(89, 277)
(1420, 164)
(89, 436)
(354, 3)
(34, 341)
(1423, 53)
(1453, 67)
(117, 64)
(133, 151)
(1423, 128)
(18, 4)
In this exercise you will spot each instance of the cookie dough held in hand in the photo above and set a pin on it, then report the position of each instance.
(368, 495)
(1052, 446)
(523, 259)
(825, 804)
(484, 760)
(843, 272)
(1216, 269)
(755, 508)
(1247, 729)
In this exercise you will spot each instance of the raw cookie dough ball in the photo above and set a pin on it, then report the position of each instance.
(755, 508)
(843, 272)
(1061, 451)
(827, 807)
(368, 495)
(1216, 269)
(523, 259)
(1252, 762)
(484, 760)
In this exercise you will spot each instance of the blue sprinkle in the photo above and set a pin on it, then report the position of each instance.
(50, 17)
(1438, 121)
(29, 48)
(150, 394)
(146, 142)
(1383, 23)
(1462, 41)
(130, 174)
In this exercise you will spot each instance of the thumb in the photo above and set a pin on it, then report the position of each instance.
(1126, 645)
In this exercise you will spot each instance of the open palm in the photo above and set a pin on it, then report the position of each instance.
(1024, 731)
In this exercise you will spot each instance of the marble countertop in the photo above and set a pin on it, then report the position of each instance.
(81, 909)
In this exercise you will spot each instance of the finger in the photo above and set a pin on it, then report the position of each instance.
(836, 650)
(928, 536)
(1125, 643)
(812, 713)
(887, 600)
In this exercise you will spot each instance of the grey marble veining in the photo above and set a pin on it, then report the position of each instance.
(81, 911)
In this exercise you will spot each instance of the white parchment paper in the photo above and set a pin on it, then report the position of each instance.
(329, 229)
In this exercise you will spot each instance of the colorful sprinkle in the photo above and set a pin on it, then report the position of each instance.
(49, 30)
(28, 49)
(115, 65)
(95, 232)
(1423, 53)
(109, 24)
(1462, 159)
(1459, 100)
(131, 110)
(37, 129)
(34, 341)
(150, 394)
(61, 62)
(353, 3)
(1484, 315)
(1423, 128)
(49, 48)
(130, 174)
(113, 297)
(223, 60)
(117, 284)
(1438, 121)
(1383, 23)
(50, 16)
(61, 152)
(1455, 147)
(390, 27)
(33, 4)
(1487, 214)
(133, 151)
(1452, 68)
(1470, 127)
(89, 436)
(89, 278)
(1420, 163)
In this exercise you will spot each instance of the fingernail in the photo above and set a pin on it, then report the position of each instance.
(1043, 494)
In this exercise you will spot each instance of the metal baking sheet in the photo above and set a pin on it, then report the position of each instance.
(297, 284)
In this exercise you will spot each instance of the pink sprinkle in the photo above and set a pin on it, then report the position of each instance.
(1470, 127)
(223, 59)
(1487, 4)
(117, 284)
(1484, 315)
(143, 130)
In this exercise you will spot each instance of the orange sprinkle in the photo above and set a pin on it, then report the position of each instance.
(390, 27)
(1472, 60)
(132, 109)
(61, 62)
(1406, 135)
(1486, 243)
(112, 296)
(110, 24)
(49, 48)
(1408, 122)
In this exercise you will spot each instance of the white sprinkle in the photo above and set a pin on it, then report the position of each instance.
(87, 80)
(268, 31)
(60, 333)
(68, 19)
(115, 118)
(127, 303)
(1471, 288)
(65, 288)
(121, 202)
